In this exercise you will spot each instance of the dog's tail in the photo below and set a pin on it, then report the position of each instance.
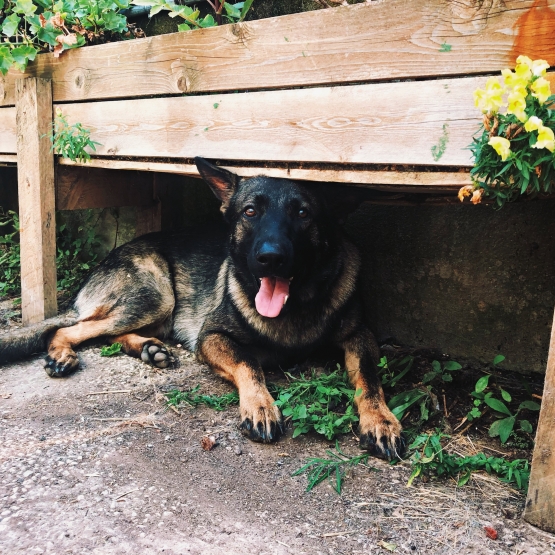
(32, 339)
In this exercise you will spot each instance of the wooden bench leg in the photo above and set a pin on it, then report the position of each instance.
(540, 504)
(35, 174)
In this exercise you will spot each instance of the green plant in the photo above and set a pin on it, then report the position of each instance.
(192, 20)
(333, 468)
(194, 399)
(110, 350)
(10, 268)
(70, 141)
(75, 251)
(323, 403)
(506, 420)
(441, 371)
(32, 26)
(391, 371)
(74, 258)
(430, 458)
(514, 151)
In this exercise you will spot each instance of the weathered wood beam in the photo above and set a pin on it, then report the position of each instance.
(391, 39)
(540, 503)
(35, 173)
(390, 180)
(79, 187)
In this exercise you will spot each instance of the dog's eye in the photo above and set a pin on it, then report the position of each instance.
(303, 213)
(250, 212)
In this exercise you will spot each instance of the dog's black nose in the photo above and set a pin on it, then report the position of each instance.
(270, 257)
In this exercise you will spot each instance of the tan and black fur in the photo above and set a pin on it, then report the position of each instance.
(199, 288)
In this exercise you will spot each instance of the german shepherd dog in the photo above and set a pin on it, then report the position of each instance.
(278, 282)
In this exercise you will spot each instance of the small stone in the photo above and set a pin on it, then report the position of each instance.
(237, 450)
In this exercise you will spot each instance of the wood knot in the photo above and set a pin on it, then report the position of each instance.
(183, 83)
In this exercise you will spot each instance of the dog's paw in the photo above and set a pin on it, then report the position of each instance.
(156, 354)
(57, 365)
(381, 434)
(260, 419)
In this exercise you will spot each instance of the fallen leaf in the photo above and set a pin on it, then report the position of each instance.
(491, 533)
(67, 39)
(389, 546)
(208, 443)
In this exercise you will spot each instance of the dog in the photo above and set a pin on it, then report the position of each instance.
(277, 282)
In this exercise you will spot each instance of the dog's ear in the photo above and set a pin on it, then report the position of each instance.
(222, 182)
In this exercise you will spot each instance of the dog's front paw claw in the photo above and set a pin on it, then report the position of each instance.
(381, 433)
(59, 368)
(386, 448)
(157, 355)
(263, 422)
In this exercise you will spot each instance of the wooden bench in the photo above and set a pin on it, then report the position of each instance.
(377, 95)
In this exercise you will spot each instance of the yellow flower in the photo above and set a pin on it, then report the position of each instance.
(541, 89)
(502, 146)
(517, 103)
(546, 139)
(537, 67)
(533, 124)
(491, 99)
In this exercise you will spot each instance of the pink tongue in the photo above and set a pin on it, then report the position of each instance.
(271, 296)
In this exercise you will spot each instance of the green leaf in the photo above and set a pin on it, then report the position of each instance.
(24, 54)
(207, 21)
(506, 395)
(452, 366)
(436, 366)
(111, 350)
(497, 405)
(505, 428)
(530, 405)
(10, 25)
(25, 7)
(232, 11)
(245, 9)
(447, 378)
(525, 426)
(481, 384)
(6, 59)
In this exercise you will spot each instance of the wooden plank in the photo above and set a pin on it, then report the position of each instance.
(422, 123)
(540, 503)
(87, 187)
(390, 39)
(8, 158)
(35, 173)
(148, 218)
(8, 137)
(386, 180)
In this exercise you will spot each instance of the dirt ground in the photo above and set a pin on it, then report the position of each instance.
(107, 473)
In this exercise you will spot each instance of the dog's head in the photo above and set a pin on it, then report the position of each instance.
(281, 238)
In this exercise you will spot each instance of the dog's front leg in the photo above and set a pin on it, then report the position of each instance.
(260, 418)
(380, 431)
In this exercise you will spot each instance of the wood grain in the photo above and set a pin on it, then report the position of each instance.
(390, 39)
(540, 503)
(391, 123)
(8, 136)
(78, 188)
(375, 179)
(37, 215)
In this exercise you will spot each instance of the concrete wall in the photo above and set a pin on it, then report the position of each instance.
(469, 280)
